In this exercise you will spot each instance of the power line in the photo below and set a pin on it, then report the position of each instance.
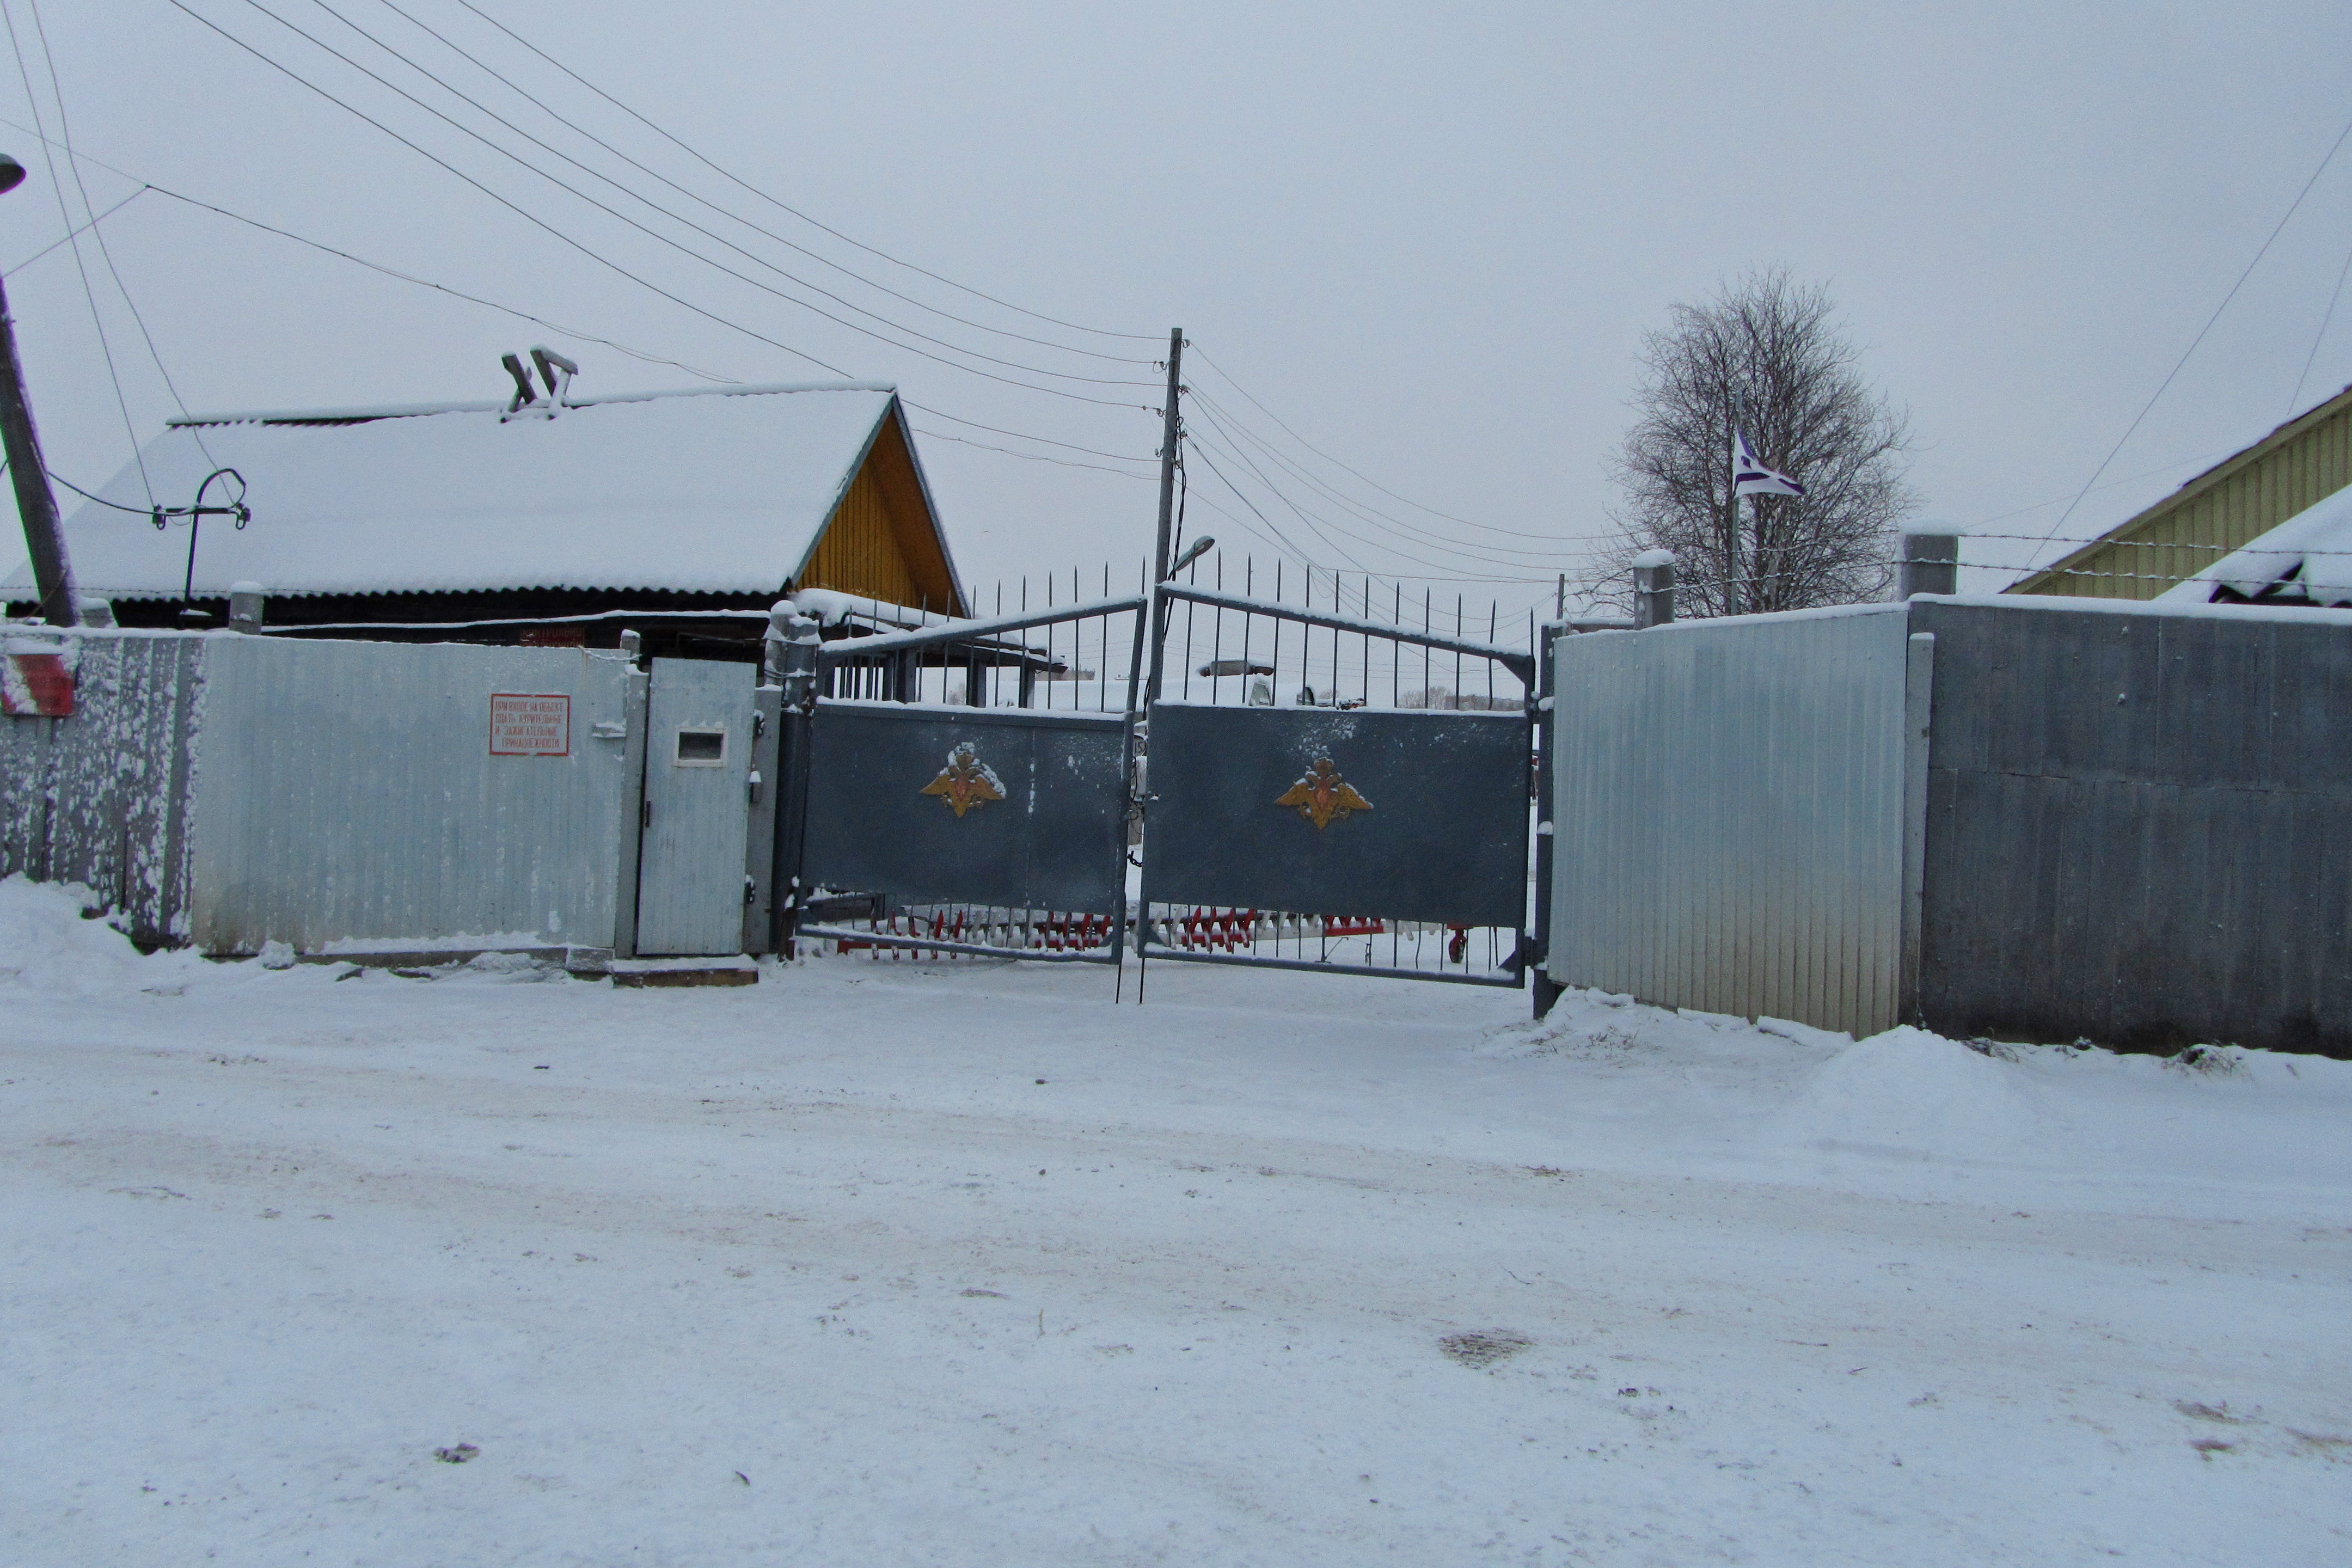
(105, 349)
(609, 211)
(818, 257)
(574, 333)
(105, 251)
(2318, 337)
(783, 207)
(68, 237)
(2280, 228)
(675, 217)
(1327, 456)
(1316, 522)
(1491, 555)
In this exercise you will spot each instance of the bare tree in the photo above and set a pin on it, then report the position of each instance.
(1764, 355)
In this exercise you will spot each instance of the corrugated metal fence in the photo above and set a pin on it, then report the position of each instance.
(1730, 826)
(347, 792)
(235, 789)
(2093, 821)
(101, 799)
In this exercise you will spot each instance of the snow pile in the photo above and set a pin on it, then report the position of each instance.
(47, 945)
(1912, 1093)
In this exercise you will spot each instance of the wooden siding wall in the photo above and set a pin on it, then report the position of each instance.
(882, 541)
(2238, 500)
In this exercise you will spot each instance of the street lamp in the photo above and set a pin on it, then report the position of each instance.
(36, 503)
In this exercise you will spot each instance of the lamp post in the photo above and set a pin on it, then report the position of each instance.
(52, 571)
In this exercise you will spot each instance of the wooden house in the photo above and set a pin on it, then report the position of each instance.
(552, 521)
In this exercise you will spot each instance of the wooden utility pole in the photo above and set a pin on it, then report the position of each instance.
(52, 570)
(1171, 431)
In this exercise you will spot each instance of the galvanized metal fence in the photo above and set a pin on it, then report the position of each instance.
(101, 799)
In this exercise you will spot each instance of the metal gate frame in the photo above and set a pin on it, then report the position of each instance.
(805, 666)
(1523, 663)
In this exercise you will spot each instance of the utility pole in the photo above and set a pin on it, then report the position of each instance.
(52, 570)
(1172, 430)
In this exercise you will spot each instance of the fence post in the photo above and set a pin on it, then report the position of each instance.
(1929, 563)
(1547, 991)
(247, 606)
(1654, 588)
(792, 648)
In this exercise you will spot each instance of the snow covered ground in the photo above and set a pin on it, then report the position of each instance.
(885, 1263)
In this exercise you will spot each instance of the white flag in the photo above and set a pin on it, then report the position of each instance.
(1750, 477)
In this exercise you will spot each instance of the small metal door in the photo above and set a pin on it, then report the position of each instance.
(690, 879)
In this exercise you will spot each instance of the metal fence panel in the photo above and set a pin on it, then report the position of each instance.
(985, 806)
(1729, 815)
(2135, 827)
(1407, 816)
(101, 797)
(347, 792)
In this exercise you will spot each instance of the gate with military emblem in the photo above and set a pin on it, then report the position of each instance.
(963, 788)
(1375, 823)
(987, 786)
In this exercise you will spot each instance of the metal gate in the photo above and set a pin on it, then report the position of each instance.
(960, 826)
(700, 733)
(1325, 832)
(1376, 823)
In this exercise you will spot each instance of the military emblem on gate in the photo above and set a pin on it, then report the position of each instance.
(966, 781)
(1322, 796)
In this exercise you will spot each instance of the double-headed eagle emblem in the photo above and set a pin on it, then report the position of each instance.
(966, 781)
(1322, 794)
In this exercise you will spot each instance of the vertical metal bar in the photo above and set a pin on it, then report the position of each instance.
(1543, 729)
(634, 705)
(1918, 709)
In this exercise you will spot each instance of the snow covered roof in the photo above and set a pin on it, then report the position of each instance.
(2308, 559)
(721, 489)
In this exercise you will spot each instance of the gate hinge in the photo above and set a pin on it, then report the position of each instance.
(750, 889)
(646, 813)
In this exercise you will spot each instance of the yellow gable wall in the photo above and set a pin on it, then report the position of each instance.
(2300, 464)
(882, 542)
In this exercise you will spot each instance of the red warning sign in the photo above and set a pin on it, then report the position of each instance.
(530, 724)
(35, 681)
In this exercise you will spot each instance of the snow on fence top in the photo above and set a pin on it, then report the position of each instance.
(721, 490)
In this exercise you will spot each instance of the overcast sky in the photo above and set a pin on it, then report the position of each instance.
(1428, 239)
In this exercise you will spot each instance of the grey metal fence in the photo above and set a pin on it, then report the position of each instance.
(101, 799)
(230, 791)
(1728, 832)
(2025, 817)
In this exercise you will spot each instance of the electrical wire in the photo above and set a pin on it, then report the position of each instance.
(574, 333)
(1202, 355)
(818, 257)
(616, 266)
(1491, 555)
(643, 228)
(67, 238)
(106, 349)
(675, 218)
(2320, 336)
(1316, 524)
(783, 206)
(106, 252)
(2280, 228)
